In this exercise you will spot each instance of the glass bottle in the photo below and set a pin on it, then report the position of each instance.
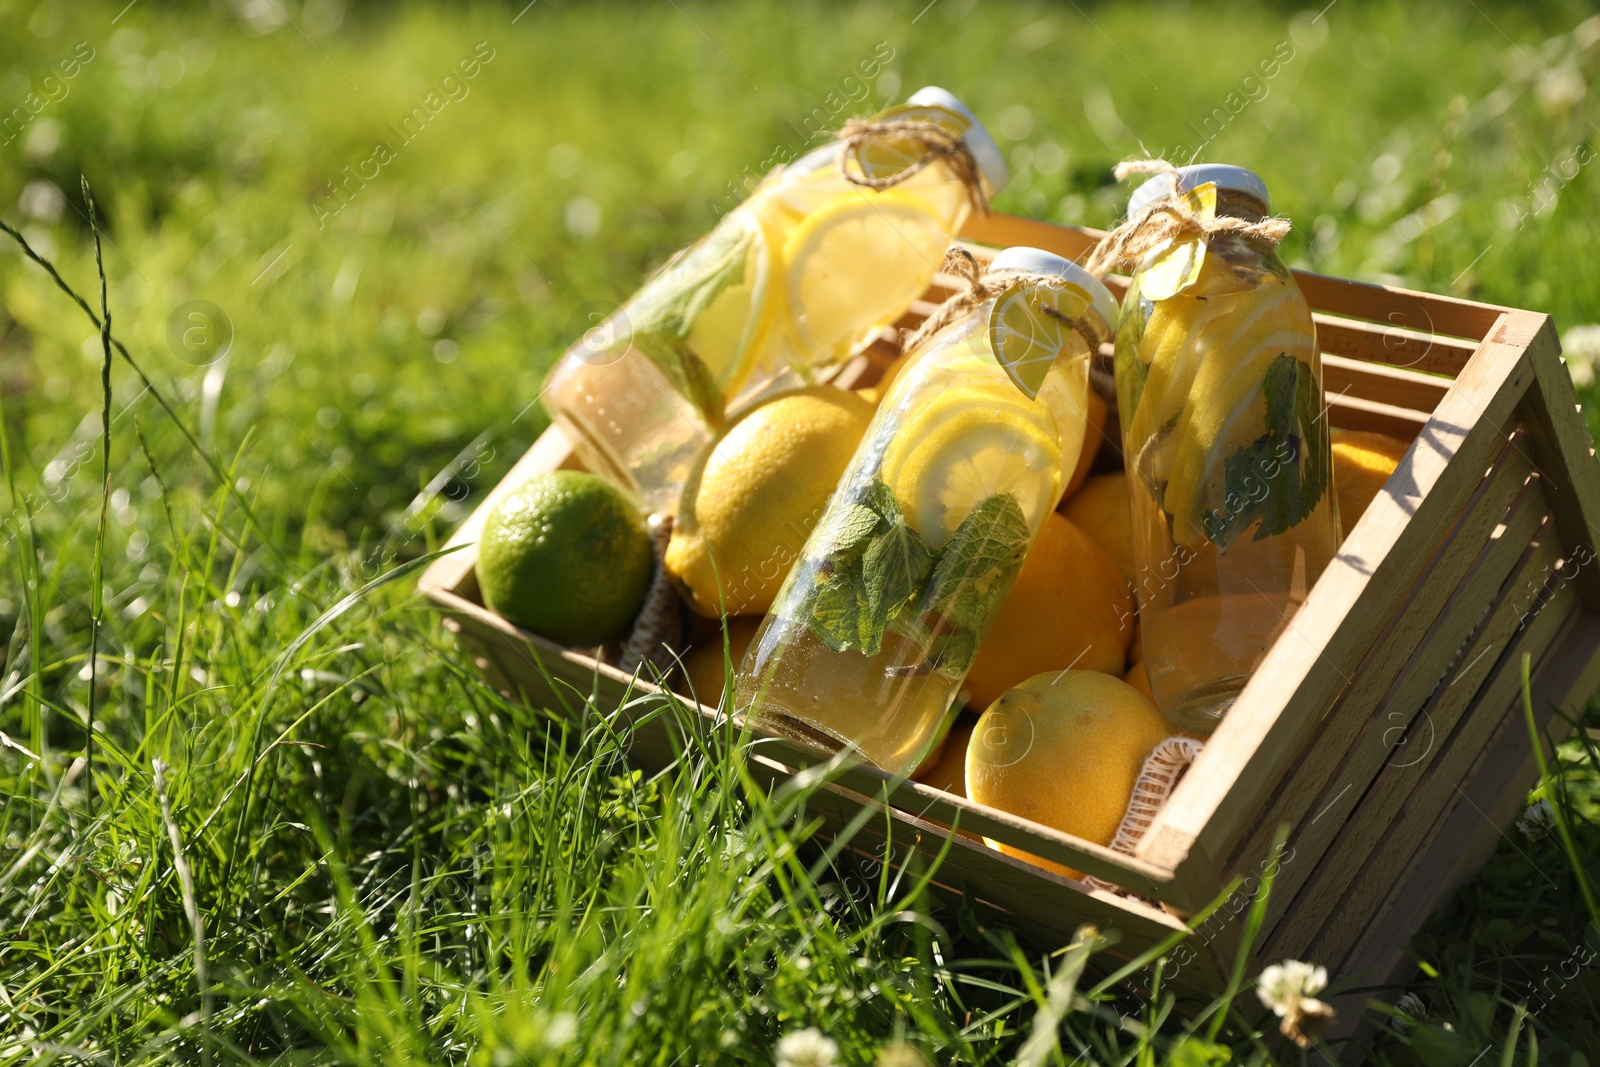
(878, 622)
(1219, 387)
(782, 289)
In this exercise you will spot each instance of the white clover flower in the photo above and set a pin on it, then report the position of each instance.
(1408, 1012)
(1290, 989)
(560, 1030)
(1538, 820)
(1581, 346)
(807, 1048)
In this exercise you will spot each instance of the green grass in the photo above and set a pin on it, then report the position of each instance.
(381, 859)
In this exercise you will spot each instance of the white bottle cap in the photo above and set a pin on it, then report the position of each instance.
(1038, 261)
(1227, 178)
(985, 151)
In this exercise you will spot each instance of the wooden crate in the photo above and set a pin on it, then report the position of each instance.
(1384, 728)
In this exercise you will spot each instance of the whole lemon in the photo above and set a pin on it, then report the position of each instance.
(1362, 462)
(1140, 680)
(1069, 608)
(703, 665)
(1064, 749)
(1100, 509)
(565, 555)
(948, 770)
(1093, 434)
(751, 501)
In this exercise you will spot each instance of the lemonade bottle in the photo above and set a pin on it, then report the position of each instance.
(1219, 386)
(870, 637)
(825, 250)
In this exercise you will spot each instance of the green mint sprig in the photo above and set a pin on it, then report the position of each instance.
(878, 572)
(1278, 479)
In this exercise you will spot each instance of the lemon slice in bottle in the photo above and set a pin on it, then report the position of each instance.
(727, 333)
(967, 446)
(1028, 328)
(855, 264)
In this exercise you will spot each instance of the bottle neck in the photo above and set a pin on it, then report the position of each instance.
(1240, 206)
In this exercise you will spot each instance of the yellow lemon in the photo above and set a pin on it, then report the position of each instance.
(947, 770)
(1362, 462)
(1101, 510)
(1093, 433)
(857, 263)
(1140, 680)
(1069, 608)
(728, 332)
(967, 445)
(751, 501)
(703, 663)
(1064, 749)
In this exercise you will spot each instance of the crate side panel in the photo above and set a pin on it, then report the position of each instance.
(1491, 798)
(1331, 928)
(1456, 595)
(1048, 907)
(1419, 313)
(1243, 766)
(1360, 820)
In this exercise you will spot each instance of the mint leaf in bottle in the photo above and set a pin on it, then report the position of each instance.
(1275, 482)
(979, 563)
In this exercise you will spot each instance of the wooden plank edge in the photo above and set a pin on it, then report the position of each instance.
(1561, 447)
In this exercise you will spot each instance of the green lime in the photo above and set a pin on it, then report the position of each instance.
(566, 555)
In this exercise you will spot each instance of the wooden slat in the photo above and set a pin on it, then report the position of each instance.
(1559, 441)
(1353, 413)
(1358, 379)
(1493, 794)
(1422, 313)
(1422, 816)
(1387, 345)
(935, 805)
(999, 230)
(1357, 824)
(1035, 901)
(1352, 742)
(535, 665)
(1243, 765)
(1403, 309)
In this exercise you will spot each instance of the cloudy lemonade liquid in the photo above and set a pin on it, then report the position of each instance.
(778, 293)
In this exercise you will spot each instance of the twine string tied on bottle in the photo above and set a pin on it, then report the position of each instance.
(1169, 218)
(938, 145)
(981, 285)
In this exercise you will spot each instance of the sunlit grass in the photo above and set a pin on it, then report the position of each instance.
(389, 860)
